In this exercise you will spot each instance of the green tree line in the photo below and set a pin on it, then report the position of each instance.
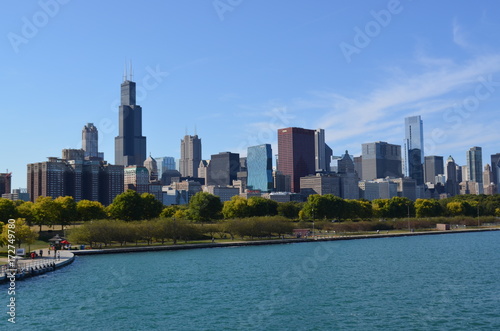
(207, 208)
(106, 232)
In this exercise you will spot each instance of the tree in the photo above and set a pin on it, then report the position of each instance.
(7, 210)
(380, 207)
(175, 229)
(427, 208)
(90, 210)
(205, 207)
(126, 206)
(24, 210)
(45, 211)
(237, 207)
(146, 230)
(20, 234)
(169, 211)
(66, 208)
(262, 207)
(324, 206)
(151, 207)
(398, 207)
(456, 208)
(289, 209)
(211, 229)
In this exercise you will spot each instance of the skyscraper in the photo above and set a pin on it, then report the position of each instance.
(452, 179)
(475, 164)
(380, 160)
(433, 166)
(296, 154)
(413, 153)
(136, 178)
(489, 185)
(495, 170)
(72, 175)
(5, 183)
(260, 168)
(322, 152)
(223, 169)
(164, 164)
(90, 140)
(152, 167)
(130, 144)
(190, 156)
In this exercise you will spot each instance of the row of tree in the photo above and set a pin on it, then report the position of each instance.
(107, 232)
(205, 207)
(64, 210)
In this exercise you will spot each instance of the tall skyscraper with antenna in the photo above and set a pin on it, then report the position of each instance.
(190, 155)
(130, 144)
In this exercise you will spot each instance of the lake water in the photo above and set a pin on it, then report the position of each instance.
(439, 282)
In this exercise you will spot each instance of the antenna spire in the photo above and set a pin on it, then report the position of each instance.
(125, 71)
(131, 72)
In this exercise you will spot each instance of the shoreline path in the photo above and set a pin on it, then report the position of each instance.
(27, 267)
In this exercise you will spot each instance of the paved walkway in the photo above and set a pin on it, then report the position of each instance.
(64, 256)
(26, 264)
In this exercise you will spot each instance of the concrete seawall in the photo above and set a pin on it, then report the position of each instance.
(27, 268)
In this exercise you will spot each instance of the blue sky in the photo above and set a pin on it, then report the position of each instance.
(237, 70)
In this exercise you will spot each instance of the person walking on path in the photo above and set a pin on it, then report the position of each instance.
(41, 253)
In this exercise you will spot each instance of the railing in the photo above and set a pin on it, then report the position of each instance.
(27, 266)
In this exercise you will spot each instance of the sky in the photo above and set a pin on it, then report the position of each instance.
(235, 71)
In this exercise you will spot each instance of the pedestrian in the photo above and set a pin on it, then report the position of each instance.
(41, 253)
(58, 256)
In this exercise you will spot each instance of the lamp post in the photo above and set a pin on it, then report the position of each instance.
(409, 226)
(313, 221)
(478, 214)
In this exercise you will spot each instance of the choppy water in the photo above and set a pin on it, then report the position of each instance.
(441, 282)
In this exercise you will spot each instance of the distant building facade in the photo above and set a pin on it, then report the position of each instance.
(296, 154)
(90, 141)
(413, 149)
(165, 163)
(320, 184)
(5, 183)
(73, 175)
(495, 170)
(190, 156)
(136, 178)
(225, 193)
(260, 168)
(452, 180)
(433, 166)
(223, 169)
(322, 152)
(152, 167)
(475, 164)
(17, 194)
(130, 144)
(380, 160)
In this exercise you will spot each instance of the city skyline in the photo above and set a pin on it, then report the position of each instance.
(232, 75)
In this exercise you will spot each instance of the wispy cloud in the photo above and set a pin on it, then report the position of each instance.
(377, 114)
(428, 92)
(459, 35)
